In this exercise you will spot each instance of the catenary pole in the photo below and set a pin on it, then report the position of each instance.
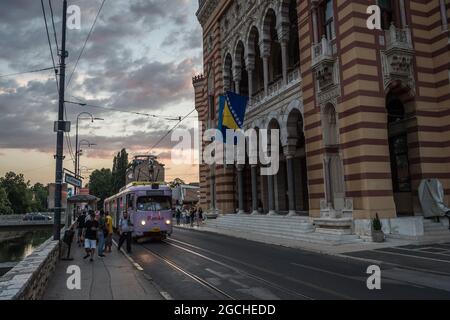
(60, 130)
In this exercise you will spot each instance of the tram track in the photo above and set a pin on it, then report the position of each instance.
(189, 274)
(244, 273)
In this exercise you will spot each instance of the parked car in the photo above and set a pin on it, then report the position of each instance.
(36, 217)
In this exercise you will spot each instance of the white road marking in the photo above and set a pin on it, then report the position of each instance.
(410, 256)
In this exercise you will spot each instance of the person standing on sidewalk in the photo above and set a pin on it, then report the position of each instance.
(109, 232)
(178, 214)
(125, 230)
(90, 236)
(101, 234)
(81, 221)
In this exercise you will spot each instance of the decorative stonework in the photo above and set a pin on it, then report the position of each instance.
(397, 59)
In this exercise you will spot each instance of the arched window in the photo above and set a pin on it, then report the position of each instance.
(331, 134)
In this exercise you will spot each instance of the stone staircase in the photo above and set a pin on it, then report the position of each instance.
(282, 227)
(435, 229)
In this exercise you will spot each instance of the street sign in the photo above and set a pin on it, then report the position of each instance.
(73, 181)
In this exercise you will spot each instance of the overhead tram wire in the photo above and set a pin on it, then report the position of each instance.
(50, 43)
(53, 24)
(171, 130)
(84, 104)
(67, 135)
(26, 72)
(85, 42)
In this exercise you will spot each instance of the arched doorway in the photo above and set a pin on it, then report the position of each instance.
(295, 149)
(399, 155)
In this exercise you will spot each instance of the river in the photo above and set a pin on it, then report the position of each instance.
(15, 247)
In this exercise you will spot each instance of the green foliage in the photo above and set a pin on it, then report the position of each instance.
(5, 205)
(119, 171)
(18, 192)
(40, 195)
(376, 223)
(101, 185)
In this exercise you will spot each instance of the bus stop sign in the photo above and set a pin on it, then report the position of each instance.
(73, 181)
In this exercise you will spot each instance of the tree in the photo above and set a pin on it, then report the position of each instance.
(5, 205)
(100, 185)
(120, 165)
(40, 195)
(19, 194)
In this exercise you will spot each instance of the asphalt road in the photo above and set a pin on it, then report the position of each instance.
(193, 265)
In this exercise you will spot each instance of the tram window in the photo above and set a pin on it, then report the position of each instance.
(153, 203)
(130, 201)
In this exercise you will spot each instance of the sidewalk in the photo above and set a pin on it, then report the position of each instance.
(111, 278)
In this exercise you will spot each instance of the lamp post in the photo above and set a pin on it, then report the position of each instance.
(91, 117)
(79, 151)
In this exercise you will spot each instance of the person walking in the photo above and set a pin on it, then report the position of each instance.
(178, 214)
(81, 221)
(101, 234)
(199, 216)
(192, 214)
(125, 230)
(109, 232)
(90, 236)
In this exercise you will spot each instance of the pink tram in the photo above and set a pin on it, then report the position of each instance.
(149, 206)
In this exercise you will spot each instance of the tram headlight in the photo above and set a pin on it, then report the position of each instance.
(168, 221)
(143, 222)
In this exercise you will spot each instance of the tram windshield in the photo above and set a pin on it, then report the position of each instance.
(154, 203)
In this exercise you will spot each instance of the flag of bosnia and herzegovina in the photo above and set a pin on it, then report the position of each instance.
(232, 109)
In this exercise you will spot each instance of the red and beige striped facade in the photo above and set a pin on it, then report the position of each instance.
(374, 85)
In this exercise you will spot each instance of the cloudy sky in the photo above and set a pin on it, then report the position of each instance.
(140, 57)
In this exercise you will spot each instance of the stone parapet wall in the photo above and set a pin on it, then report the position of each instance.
(28, 279)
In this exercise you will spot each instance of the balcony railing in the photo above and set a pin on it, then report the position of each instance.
(274, 89)
(398, 38)
(321, 51)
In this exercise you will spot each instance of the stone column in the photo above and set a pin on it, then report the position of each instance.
(289, 152)
(270, 195)
(315, 21)
(329, 196)
(443, 15)
(254, 190)
(237, 76)
(265, 54)
(284, 59)
(240, 177)
(403, 13)
(250, 62)
(283, 36)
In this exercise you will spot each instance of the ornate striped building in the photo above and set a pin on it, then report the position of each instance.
(364, 114)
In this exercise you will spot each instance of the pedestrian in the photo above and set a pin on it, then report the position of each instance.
(101, 233)
(199, 216)
(68, 239)
(109, 229)
(192, 214)
(90, 236)
(178, 214)
(81, 221)
(125, 231)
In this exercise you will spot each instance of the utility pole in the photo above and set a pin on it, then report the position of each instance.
(61, 128)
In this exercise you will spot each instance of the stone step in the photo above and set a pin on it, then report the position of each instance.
(264, 228)
(273, 225)
(311, 237)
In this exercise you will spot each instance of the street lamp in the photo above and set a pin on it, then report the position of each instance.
(91, 117)
(79, 152)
